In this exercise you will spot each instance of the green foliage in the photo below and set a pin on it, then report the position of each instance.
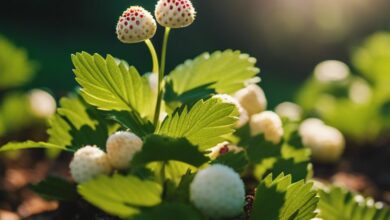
(29, 144)
(170, 211)
(203, 124)
(237, 161)
(339, 204)
(76, 124)
(110, 84)
(15, 113)
(55, 188)
(226, 71)
(282, 199)
(289, 157)
(133, 121)
(15, 67)
(119, 195)
(373, 56)
(355, 105)
(163, 149)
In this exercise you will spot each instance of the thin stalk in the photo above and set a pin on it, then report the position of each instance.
(153, 54)
(161, 76)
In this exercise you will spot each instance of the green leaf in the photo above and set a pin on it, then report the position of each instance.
(121, 195)
(163, 149)
(189, 97)
(203, 124)
(75, 125)
(237, 161)
(170, 211)
(133, 121)
(298, 170)
(112, 86)
(227, 71)
(280, 199)
(180, 192)
(259, 149)
(29, 144)
(15, 67)
(55, 188)
(339, 204)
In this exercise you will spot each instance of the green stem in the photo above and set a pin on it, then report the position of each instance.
(153, 54)
(161, 76)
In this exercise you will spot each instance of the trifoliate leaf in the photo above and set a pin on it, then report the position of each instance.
(112, 85)
(338, 204)
(29, 144)
(163, 149)
(237, 161)
(75, 125)
(121, 195)
(170, 211)
(55, 188)
(203, 124)
(133, 121)
(227, 71)
(281, 199)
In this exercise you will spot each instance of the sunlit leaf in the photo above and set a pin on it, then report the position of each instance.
(227, 71)
(282, 199)
(121, 195)
(339, 204)
(203, 124)
(112, 85)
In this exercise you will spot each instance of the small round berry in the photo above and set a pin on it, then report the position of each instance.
(331, 71)
(252, 99)
(42, 104)
(243, 118)
(135, 25)
(269, 124)
(121, 148)
(326, 143)
(175, 13)
(218, 192)
(87, 163)
(289, 110)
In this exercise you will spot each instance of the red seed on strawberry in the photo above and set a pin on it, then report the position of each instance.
(175, 14)
(135, 25)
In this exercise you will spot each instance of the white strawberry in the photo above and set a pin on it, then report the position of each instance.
(269, 124)
(121, 148)
(88, 162)
(252, 99)
(135, 25)
(218, 192)
(175, 13)
(243, 118)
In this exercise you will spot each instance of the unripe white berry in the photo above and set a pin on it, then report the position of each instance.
(269, 124)
(252, 99)
(326, 143)
(308, 124)
(135, 25)
(243, 118)
(218, 192)
(331, 71)
(175, 13)
(121, 148)
(89, 162)
(289, 110)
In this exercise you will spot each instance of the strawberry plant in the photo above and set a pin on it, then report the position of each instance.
(196, 143)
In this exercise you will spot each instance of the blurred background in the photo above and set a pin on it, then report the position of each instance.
(287, 37)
